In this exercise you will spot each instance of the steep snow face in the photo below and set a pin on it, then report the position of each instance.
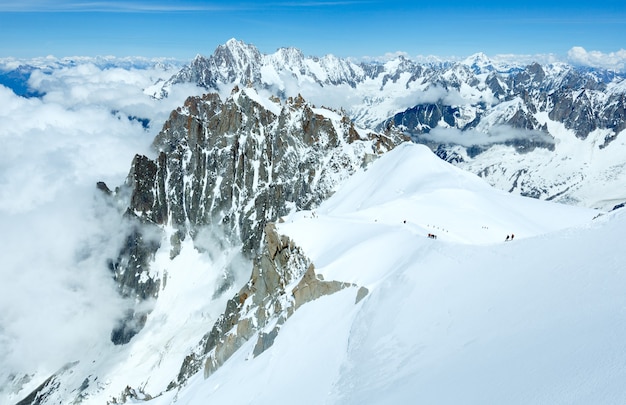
(538, 319)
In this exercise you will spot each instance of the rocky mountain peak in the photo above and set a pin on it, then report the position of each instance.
(289, 56)
(479, 63)
(232, 166)
(236, 52)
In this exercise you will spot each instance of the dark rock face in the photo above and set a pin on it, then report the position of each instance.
(238, 165)
(422, 118)
(232, 167)
(448, 155)
(131, 264)
(128, 327)
(583, 113)
(45, 390)
(136, 253)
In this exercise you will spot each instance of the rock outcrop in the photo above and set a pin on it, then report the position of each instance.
(283, 279)
(231, 167)
(238, 164)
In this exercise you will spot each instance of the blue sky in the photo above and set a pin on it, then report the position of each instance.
(182, 29)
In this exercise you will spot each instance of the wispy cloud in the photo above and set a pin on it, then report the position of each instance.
(155, 7)
(320, 3)
(382, 58)
(57, 297)
(106, 6)
(496, 134)
(612, 60)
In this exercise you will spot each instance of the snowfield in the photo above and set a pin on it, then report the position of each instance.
(464, 318)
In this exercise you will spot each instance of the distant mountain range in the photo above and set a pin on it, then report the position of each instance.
(460, 109)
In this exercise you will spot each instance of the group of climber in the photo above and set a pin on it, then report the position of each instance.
(508, 238)
(433, 236)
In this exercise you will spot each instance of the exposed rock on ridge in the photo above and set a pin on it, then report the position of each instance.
(238, 164)
(283, 279)
(580, 100)
(231, 167)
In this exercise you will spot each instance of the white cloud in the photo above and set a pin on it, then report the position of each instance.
(57, 296)
(56, 293)
(496, 134)
(102, 6)
(389, 56)
(525, 59)
(612, 60)
(48, 147)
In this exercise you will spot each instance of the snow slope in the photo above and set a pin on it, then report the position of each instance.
(465, 318)
(577, 171)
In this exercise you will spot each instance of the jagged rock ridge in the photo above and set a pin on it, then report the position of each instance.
(455, 94)
(230, 167)
(238, 164)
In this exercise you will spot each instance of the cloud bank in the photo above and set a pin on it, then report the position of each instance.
(596, 59)
(57, 298)
(496, 134)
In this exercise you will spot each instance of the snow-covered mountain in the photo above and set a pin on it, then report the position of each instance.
(464, 318)
(274, 250)
(461, 108)
(463, 94)
(352, 302)
(226, 168)
(223, 170)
